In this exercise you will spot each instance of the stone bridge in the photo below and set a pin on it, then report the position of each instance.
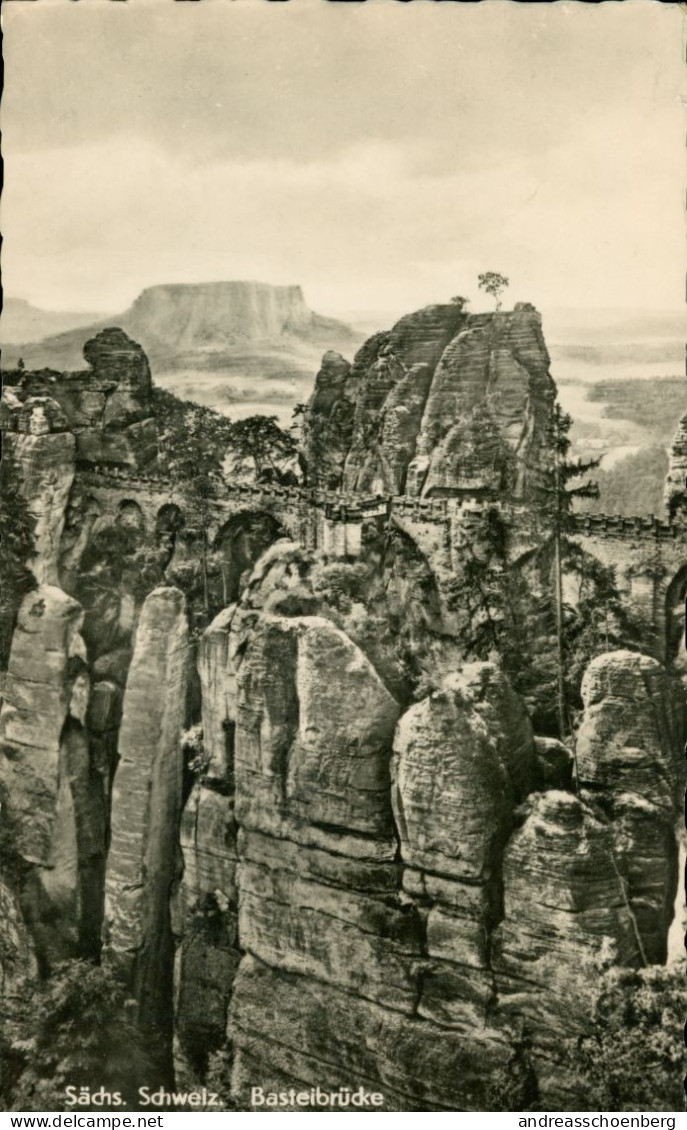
(649, 555)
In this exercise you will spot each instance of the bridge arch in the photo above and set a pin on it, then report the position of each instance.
(238, 544)
(130, 517)
(169, 521)
(410, 584)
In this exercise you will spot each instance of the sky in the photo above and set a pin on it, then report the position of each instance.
(380, 154)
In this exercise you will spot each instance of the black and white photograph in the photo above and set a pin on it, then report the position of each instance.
(343, 558)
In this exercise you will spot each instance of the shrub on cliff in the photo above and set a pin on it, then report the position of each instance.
(632, 1058)
(74, 1029)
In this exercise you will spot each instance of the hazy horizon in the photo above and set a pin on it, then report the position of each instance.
(379, 155)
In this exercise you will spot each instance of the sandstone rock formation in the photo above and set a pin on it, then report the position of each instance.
(205, 909)
(318, 884)
(322, 913)
(106, 407)
(328, 422)
(462, 757)
(21, 321)
(379, 403)
(630, 758)
(146, 804)
(340, 857)
(46, 658)
(315, 1035)
(409, 415)
(17, 960)
(500, 364)
(205, 922)
(564, 906)
(47, 463)
(52, 794)
(182, 317)
(554, 765)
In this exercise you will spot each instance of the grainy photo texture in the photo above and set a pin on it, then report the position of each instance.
(344, 557)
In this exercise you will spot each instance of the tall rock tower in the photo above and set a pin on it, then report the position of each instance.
(444, 404)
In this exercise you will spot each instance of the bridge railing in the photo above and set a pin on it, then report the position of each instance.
(623, 526)
(351, 507)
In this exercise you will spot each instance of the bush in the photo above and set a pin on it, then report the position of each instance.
(632, 1058)
(77, 1028)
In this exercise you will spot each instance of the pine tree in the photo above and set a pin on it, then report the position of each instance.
(75, 1028)
(558, 507)
(258, 440)
(190, 456)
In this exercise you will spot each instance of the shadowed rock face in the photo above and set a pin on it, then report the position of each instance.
(205, 924)
(38, 692)
(630, 760)
(380, 401)
(218, 313)
(629, 740)
(107, 407)
(52, 795)
(563, 904)
(48, 464)
(450, 783)
(400, 420)
(146, 804)
(18, 959)
(357, 892)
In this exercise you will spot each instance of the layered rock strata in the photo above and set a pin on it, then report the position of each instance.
(405, 915)
(630, 760)
(443, 403)
(463, 758)
(319, 897)
(564, 911)
(499, 365)
(52, 794)
(205, 908)
(47, 463)
(106, 407)
(363, 890)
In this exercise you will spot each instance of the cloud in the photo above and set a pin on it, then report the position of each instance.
(376, 160)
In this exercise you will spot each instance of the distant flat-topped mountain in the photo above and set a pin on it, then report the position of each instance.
(22, 322)
(203, 326)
